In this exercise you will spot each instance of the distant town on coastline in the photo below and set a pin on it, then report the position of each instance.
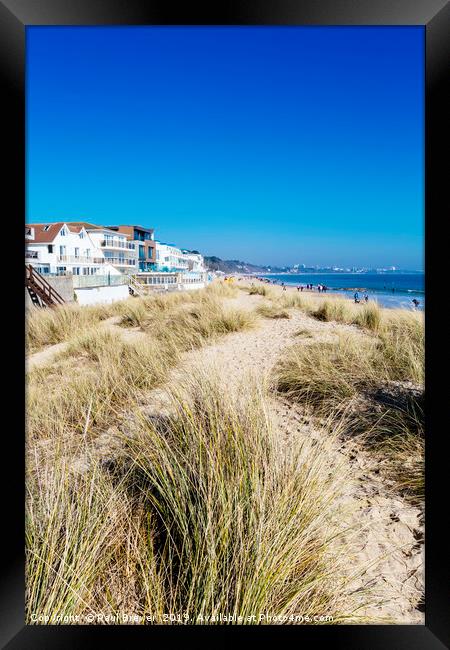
(236, 266)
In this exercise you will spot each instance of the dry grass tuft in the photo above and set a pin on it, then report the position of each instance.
(272, 311)
(260, 290)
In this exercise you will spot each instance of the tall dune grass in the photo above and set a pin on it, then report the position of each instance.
(95, 379)
(75, 526)
(244, 525)
(204, 513)
(368, 378)
(54, 325)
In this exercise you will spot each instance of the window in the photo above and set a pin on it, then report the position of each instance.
(63, 232)
(77, 252)
(50, 248)
(88, 252)
(76, 270)
(62, 251)
(46, 228)
(81, 234)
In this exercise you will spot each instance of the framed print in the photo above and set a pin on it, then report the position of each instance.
(230, 293)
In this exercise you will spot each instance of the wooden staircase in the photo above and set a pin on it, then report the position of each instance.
(42, 294)
(136, 288)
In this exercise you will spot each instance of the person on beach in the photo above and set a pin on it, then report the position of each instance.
(356, 297)
(366, 298)
(284, 286)
(415, 302)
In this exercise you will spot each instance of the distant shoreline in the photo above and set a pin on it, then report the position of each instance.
(397, 299)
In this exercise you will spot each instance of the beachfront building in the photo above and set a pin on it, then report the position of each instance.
(194, 260)
(62, 248)
(116, 248)
(144, 243)
(170, 259)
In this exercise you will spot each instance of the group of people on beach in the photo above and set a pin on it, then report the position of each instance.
(320, 287)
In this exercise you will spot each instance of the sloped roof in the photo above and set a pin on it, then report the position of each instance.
(93, 227)
(42, 236)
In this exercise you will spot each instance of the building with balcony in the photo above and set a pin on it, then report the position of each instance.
(144, 242)
(170, 259)
(116, 248)
(194, 260)
(63, 248)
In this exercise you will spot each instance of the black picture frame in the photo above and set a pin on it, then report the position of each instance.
(15, 16)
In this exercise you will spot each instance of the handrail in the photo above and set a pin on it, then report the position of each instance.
(136, 285)
(36, 281)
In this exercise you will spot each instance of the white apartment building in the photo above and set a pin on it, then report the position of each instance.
(195, 261)
(61, 248)
(58, 248)
(169, 258)
(116, 248)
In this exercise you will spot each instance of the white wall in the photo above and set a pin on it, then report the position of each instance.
(98, 295)
(193, 285)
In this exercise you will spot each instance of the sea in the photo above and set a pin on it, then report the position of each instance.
(395, 290)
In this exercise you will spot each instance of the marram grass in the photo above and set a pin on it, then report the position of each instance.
(204, 513)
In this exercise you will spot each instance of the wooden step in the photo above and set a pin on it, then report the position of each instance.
(41, 291)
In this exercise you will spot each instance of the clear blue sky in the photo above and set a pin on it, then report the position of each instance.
(272, 145)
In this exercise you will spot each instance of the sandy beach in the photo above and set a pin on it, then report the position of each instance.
(384, 557)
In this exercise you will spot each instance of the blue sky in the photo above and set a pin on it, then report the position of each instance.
(272, 145)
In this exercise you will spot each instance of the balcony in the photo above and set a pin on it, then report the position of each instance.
(123, 245)
(121, 261)
(79, 259)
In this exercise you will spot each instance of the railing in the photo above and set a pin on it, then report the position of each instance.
(80, 259)
(136, 287)
(90, 281)
(121, 261)
(43, 289)
(116, 244)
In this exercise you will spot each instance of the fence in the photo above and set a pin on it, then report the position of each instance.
(87, 281)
